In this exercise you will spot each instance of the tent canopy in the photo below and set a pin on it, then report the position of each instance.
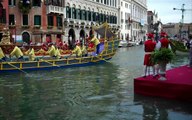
(104, 30)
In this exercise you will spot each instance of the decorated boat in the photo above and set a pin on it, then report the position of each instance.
(109, 45)
(179, 47)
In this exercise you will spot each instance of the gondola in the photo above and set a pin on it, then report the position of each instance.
(110, 46)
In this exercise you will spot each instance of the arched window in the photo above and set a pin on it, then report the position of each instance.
(73, 13)
(68, 12)
(71, 38)
(26, 37)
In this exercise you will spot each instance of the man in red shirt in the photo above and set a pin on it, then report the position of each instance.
(149, 47)
(164, 41)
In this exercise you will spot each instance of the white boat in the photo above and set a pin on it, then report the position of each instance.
(123, 43)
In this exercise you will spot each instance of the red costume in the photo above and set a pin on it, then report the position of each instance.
(164, 41)
(149, 48)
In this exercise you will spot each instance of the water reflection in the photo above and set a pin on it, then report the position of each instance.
(163, 109)
(100, 92)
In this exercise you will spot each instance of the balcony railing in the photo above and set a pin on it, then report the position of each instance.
(55, 9)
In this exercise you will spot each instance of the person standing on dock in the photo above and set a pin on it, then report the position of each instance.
(149, 47)
(190, 51)
(164, 41)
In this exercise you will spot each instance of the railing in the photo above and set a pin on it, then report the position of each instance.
(55, 9)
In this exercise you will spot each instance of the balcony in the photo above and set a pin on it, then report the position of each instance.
(55, 9)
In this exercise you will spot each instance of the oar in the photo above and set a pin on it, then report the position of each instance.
(17, 68)
(50, 63)
(102, 59)
(105, 60)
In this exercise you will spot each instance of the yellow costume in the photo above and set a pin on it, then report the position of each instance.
(52, 51)
(2, 55)
(41, 52)
(57, 53)
(16, 52)
(31, 54)
(95, 41)
(84, 50)
(77, 51)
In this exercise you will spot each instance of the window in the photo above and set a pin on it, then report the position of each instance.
(12, 2)
(74, 13)
(78, 13)
(37, 20)
(89, 15)
(94, 16)
(11, 19)
(105, 2)
(59, 21)
(2, 14)
(97, 17)
(50, 20)
(97, 0)
(25, 19)
(82, 13)
(68, 12)
(36, 3)
(53, 2)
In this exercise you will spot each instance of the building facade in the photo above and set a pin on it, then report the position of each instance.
(173, 30)
(133, 20)
(138, 20)
(125, 19)
(38, 20)
(154, 24)
(34, 20)
(3, 16)
(80, 15)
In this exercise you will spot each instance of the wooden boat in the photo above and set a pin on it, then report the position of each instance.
(179, 48)
(109, 50)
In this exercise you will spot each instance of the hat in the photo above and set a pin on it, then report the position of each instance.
(163, 34)
(150, 35)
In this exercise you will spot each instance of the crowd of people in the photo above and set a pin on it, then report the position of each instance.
(52, 49)
(151, 45)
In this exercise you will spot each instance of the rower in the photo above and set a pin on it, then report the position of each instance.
(2, 55)
(17, 53)
(77, 51)
(30, 52)
(84, 50)
(54, 52)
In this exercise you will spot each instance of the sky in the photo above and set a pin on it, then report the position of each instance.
(165, 11)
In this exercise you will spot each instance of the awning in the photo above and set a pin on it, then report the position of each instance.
(104, 30)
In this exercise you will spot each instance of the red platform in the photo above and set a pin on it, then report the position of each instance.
(178, 85)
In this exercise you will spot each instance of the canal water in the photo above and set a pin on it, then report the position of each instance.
(99, 92)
